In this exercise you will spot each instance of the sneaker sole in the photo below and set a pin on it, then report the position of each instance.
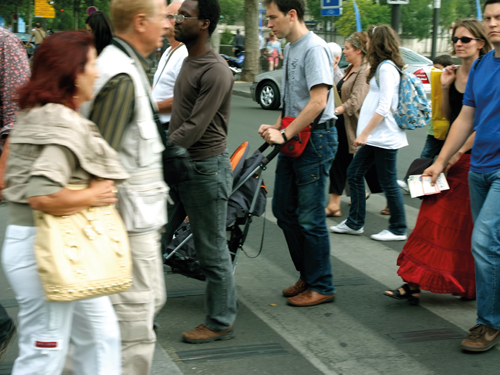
(388, 240)
(480, 349)
(353, 233)
(226, 336)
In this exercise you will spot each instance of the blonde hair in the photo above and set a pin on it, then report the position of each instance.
(124, 11)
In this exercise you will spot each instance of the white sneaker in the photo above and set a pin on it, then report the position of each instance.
(386, 235)
(343, 228)
(403, 185)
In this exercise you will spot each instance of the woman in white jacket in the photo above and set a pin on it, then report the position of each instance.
(378, 138)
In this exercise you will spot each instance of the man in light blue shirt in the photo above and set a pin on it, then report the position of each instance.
(300, 185)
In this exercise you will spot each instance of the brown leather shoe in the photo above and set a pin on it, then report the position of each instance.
(299, 287)
(310, 298)
(203, 334)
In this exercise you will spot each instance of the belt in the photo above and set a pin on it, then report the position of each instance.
(325, 125)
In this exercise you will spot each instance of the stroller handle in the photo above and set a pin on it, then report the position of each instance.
(267, 159)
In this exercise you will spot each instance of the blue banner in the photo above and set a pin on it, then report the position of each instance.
(479, 13)
(358, 17)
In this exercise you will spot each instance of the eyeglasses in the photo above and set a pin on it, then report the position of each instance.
(464, 39)
(180, 18)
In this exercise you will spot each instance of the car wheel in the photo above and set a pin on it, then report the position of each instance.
(269, 96)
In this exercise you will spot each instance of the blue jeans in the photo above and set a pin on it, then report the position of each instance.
(485, 207)
(5, 325)
(299, 207)
(204, 200)
(432, 147)
(385, 162)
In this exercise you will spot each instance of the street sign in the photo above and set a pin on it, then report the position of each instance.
(44, 9)
(331, 4)
(91, 10)
(396, 2)
(331, 12)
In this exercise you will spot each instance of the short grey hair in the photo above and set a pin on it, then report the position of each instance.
(336, 49)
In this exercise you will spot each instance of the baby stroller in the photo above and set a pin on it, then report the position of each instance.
(248, 199)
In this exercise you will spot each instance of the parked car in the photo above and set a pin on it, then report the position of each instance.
(25, 38)
(266, 87)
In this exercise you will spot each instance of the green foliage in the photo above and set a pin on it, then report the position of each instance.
(226, 37)
(416, 18)
(232, 11)
(453, 10)
(370, 12)
(62, 21)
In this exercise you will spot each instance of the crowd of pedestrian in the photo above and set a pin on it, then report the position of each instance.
(94, 130)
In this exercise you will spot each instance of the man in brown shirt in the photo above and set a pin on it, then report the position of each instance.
(200, 116)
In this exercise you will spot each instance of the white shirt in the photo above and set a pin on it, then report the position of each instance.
(163, 86)
(379, 100)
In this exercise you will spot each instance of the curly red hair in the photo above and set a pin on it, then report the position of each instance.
(59, 59)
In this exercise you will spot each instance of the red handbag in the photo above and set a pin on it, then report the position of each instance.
(295, 146)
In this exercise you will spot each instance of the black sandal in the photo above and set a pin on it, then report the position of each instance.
(409, 294)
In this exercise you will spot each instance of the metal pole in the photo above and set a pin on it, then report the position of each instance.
(396, 17)
(435, 27)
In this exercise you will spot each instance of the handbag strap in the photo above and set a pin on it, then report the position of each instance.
(125, 48)
(168, 59)
(316, 120)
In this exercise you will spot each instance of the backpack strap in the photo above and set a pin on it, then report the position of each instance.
(377, 72)
(382, 63)
(478, 61)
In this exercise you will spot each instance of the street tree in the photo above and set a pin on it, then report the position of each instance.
(232, 11)
(252, 53)
(371, 14)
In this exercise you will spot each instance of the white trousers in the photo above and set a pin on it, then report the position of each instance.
(46, 328)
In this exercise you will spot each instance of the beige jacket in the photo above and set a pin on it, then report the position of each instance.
(56, 124)
(353, 94)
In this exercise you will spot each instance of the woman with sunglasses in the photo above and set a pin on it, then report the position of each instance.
(437, 256)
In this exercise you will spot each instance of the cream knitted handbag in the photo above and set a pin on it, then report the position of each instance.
(83, 255)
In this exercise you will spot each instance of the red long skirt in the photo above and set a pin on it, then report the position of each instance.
(437, 256)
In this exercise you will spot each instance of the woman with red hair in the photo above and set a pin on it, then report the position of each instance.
(52, 146)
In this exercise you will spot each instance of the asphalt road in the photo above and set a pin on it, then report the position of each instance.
(361, 333)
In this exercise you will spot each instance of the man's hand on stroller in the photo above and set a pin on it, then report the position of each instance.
(271, 135)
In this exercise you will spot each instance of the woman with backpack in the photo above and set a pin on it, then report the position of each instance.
(438, 256)
(378, 137)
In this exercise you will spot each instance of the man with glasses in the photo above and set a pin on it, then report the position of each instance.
(125, 115)
(480, 113)
(199, 123)
(300, 184)
(168, 68)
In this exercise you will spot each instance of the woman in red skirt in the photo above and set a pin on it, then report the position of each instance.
(437, 256)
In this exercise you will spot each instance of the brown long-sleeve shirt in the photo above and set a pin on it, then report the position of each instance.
(200, 111)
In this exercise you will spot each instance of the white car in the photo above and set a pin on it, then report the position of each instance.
(266, 87)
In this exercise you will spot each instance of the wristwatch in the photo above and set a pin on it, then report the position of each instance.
(282, 131)
(335, 112)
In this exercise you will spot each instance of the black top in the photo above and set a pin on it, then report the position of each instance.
(455, 98)
(339, 86)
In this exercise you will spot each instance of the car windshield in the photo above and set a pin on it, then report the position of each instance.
(411, 57)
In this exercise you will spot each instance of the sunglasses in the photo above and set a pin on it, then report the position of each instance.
(464, 39)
